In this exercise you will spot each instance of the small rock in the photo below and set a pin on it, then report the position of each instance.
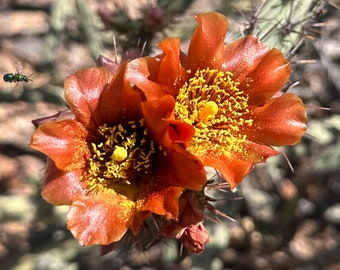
(321, 131)
(27, 22)
(261, 204)
(16, 208)
(332, 214)
(329, 160)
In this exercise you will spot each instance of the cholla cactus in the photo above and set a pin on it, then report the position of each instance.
(283, 24)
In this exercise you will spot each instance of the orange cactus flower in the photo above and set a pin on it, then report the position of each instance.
(108, 163)
(230, 94)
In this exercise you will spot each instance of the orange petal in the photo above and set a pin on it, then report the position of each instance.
(82, 93)
(233, 170)
(180, 132)
(242, 56)
(60, 187)
(281, 121)
(267, 79)
(257, 152)
(171, 73)
(119, 100)
(142, 72)
(235, 166)
(64, 142)
(154, 113)
(207, 42)
(182, 169)
(165, 129)
(163, 201)
(100, 219)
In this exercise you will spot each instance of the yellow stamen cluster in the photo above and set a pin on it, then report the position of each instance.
(122, 154)
(211, 101)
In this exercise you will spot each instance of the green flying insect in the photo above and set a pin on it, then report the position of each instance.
(16, 77)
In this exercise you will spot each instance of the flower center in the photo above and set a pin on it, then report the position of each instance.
(123, 154)
(211, 102)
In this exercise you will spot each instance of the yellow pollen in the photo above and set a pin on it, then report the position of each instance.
(119, 154)
(212, 102)
(122, 155)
